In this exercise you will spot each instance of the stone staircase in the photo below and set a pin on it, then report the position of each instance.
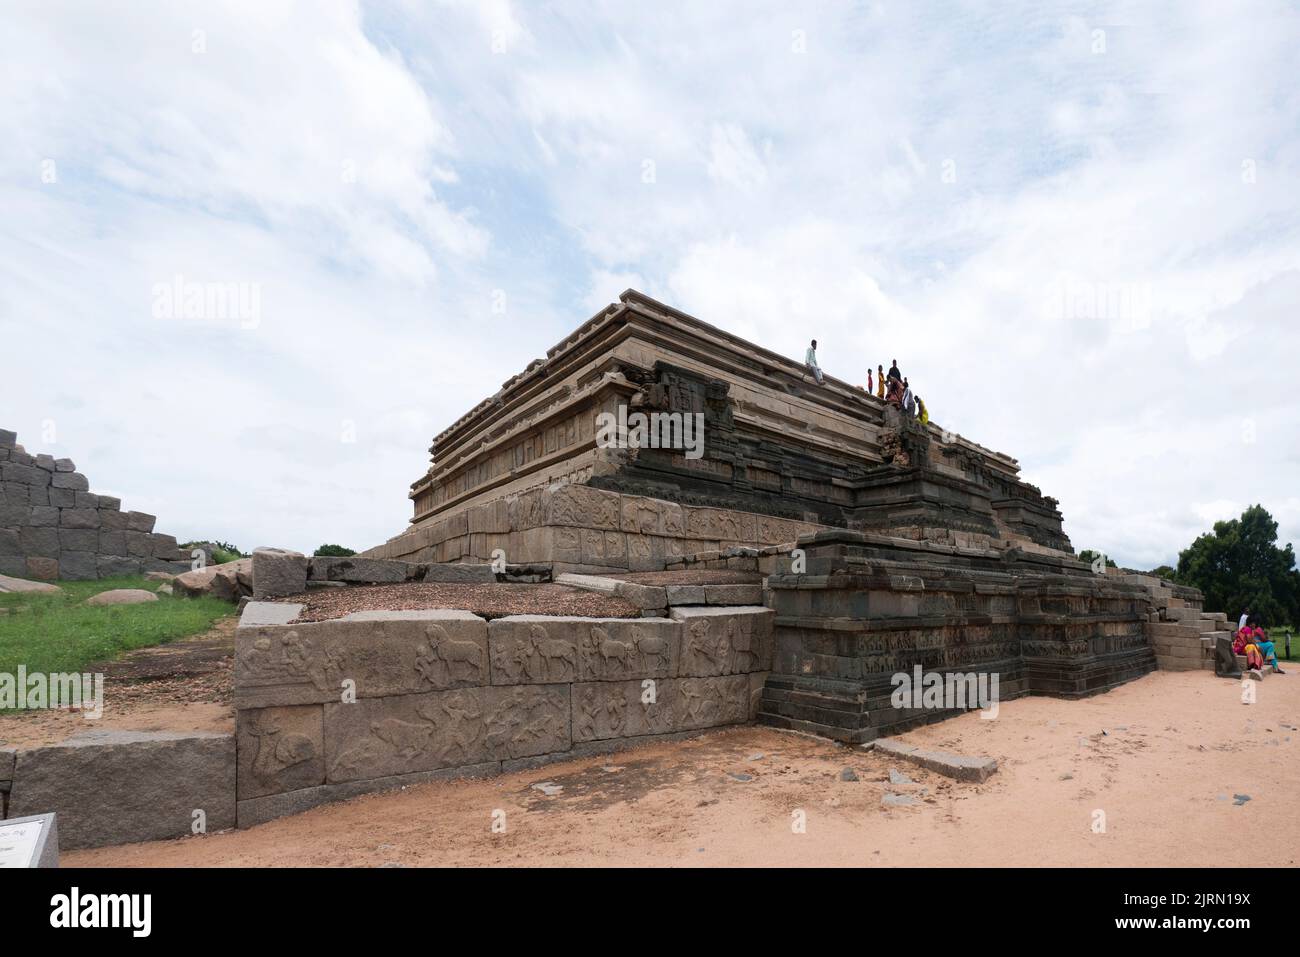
(1182, 634)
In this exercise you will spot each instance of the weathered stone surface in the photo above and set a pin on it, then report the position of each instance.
(613, 649)
(458, 572)
(734, 594)
(119, 787)
(122, 596)
(12, 471)
(43, 515)
(64, 465)
(112, 542)
(9, 542)
(685, 594)
(220, 581)
(140, 521)
(138, 544)
(85, 500)
(280, 749)
(8, 439)
(39, 542)
(614, 709)
(15, 516)
(725, 640)
(381, 737)
(278, 571)
(112, 519)
(406, 653)
(79, 539)
(958, 766)
(7, 764)
(358, 570)
(109, 503)
(10, 584)
(45, 569)
(116, 566)
(534, 649)
(79, 518)
(78, 566)
(70, 480)
(164, 547)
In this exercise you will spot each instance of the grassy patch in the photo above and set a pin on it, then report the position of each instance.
(59, 633)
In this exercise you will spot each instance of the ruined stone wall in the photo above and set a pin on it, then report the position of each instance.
(578, 528)
(868, 607)
(445, 693)
(52, 525)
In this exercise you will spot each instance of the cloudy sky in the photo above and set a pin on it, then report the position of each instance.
(1076, 226)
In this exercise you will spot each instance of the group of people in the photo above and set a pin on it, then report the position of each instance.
(1252, 642)
(891, 387)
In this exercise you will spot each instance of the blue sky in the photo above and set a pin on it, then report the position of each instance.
(1075, 225)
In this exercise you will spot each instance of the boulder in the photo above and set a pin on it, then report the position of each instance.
(8, 584)
(122, 596)
(220, 581)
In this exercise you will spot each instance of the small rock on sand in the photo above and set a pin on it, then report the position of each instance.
(549, 788)
(848, 774)
(898, 777)
(898, 800)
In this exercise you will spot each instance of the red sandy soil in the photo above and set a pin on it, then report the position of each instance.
(705, 576)
(489, 600)
(1177, 747)
(181, 686)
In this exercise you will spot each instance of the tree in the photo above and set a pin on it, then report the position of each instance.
(334, 551)
(1239, 566)
(1089, 556)
(1165, 572)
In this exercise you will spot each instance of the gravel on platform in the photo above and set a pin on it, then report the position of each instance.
(488, 600)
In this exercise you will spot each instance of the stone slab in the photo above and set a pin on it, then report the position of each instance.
(373, 570)
(119, 787)
(957, 766)
(278, 571)
(382, 737)
(366, 655)
(721, 640)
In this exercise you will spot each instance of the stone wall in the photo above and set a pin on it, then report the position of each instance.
(578, 528)
(53, 526)
(442, 693)
(869, 607)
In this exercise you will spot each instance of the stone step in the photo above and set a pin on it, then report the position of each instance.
(1165, 663)
(1173, 629)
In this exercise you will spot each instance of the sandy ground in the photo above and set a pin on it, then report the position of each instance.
(180, 686)
(1162, 757)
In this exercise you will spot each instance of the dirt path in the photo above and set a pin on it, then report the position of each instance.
(1177, 747)
(183, 685)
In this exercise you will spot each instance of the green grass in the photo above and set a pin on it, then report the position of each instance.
(59, 633)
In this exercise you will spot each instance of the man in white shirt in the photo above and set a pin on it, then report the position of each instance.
(1245, 616)
(810, 360)
(909, 402)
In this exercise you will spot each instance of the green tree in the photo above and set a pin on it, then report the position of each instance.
(334, 551)
(1239, 566)
(1089, 556)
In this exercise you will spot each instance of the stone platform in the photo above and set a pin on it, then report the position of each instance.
(869, 607)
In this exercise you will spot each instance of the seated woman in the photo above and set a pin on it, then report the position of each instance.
(894, 394)
(1265, 646)
(1243, 643)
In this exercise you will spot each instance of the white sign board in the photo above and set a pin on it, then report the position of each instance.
(18, 842)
